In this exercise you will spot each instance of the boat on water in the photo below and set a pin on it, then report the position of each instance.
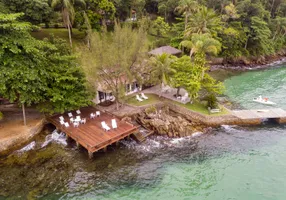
(263, 101)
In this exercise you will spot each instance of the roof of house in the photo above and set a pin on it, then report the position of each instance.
(165, 49)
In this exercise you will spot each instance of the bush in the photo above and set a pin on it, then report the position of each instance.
(211, 101)
(151, 110)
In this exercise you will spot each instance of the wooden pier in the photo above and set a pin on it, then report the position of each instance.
(91, 135)
(277, 114)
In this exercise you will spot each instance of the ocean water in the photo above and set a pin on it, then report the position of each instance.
(231, 163)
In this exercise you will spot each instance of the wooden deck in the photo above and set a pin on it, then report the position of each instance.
(260, 114)
(91, 135)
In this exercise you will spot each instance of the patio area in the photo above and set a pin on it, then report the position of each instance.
(168, 93)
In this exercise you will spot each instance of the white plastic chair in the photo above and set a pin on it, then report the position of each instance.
(143, 96)
(62, 118)
(62, 122)
(70, 114)
(83, 121)
(113, 123)
(78, 112)
(92, 115)
(138, 98)
(67, 124)
(71, 120)
(97, 113)
(76, 124)
(78, 119)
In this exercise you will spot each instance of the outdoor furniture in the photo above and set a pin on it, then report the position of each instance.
(143, 96)
(76, 124)
(138, 98)
(71, 119)
(214, 110)
(62, 118)
(77, 119)
(104, 126)
(112, 98)
(70, 114)
(78, 112)
(113, 123)
(97, 113)
(62, 122)
(92, 115)
(83, 121)
(185, 97)
(67, 124)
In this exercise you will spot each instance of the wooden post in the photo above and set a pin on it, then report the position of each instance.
(24, 114)
(117, 143)
(90, 154)
(128, 137)
(77, 144)
(105, 149)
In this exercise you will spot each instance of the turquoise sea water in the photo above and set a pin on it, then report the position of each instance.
(231, 163)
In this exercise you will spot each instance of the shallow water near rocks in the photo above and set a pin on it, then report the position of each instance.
(230, 163)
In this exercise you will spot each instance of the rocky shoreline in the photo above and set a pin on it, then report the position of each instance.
(244, 64)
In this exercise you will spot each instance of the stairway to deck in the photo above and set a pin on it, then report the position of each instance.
(141, 136)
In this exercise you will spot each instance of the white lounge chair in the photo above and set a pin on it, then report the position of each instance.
(185, 97)
(83, 121)
(138, 98)
(104, 126)
(78, 112)
(92, 115)
(114, 123)
(70, 114)
(62, 118)
(67, 124)
(97, 113)
(76, 124)
(143, 96)
(62, 122)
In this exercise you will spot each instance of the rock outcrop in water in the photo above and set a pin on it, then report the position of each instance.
(163, 122)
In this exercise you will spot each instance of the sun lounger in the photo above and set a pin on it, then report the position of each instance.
(78, 112)
(113, 123)
(143, 96)
(67, 125)
(138, 98)
(104, 126)
(62, 118)
(70, 114)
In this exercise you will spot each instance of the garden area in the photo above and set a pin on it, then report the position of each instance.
(152, 99)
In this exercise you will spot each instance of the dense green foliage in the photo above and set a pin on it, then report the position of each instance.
(38, 72)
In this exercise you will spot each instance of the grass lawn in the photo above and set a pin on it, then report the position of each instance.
(201, 108)
(77, 36)
(152, 98)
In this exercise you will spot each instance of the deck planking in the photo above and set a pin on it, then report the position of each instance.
(91, 135)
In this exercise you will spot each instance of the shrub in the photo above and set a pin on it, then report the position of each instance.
(151, 110)
(211, 101)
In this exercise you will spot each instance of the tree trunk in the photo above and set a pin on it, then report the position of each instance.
(178, 91)
(186, 21)
(69, 29)
(24, 114)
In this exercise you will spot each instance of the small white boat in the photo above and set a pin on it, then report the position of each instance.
(263, 101)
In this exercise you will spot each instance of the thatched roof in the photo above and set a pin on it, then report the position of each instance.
(165, 49)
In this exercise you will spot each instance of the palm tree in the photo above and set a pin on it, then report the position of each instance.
(162, 68)
(202, 44)
(187, 7)
(204, 21)
(68, 12)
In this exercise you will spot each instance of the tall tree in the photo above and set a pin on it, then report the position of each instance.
(68, 12)
(162, 70)
(112, 58)
(202, 44)
(38, 72)
(187, 7)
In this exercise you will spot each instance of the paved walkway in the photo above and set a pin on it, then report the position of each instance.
(168, 94)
